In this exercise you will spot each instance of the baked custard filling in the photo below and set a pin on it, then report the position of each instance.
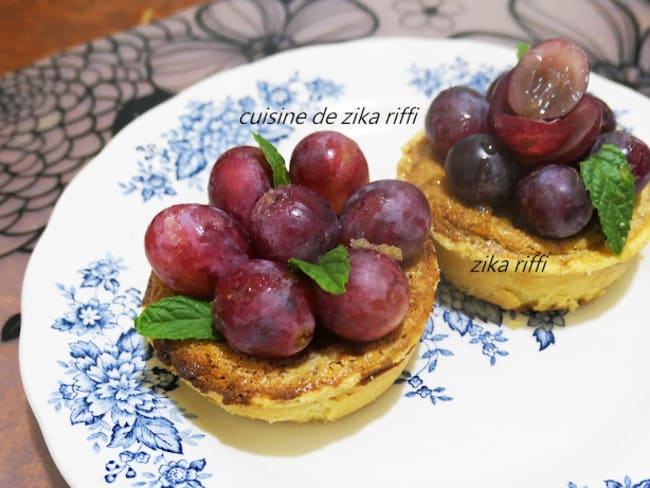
(484, 254)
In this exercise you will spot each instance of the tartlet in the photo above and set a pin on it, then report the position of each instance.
(474, 244)
(328, 380)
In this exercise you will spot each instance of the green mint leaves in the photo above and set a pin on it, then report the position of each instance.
(522, 48)
(331, 272)
(610, 184)
(181, 317)
(177, 317)
(275, 159)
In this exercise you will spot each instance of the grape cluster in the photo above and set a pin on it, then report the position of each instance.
(519, 145)
(235, 250)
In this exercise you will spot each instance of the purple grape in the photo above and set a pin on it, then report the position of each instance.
(585, 121)
(293, 221)
(331, 164)
(608, 123)
(553, 201)
(238, 178)
(191, 247)
(374, 303)
(481, 170)
(530, 137)
(454, 114)
(263, 309)
(499, 98)
(491, 90)
(391, 212)
(636, 152)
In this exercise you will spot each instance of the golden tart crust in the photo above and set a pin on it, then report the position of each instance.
(329, 379)
(570, 272)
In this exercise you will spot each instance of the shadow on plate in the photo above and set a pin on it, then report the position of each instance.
(612, 297)
(283, 439)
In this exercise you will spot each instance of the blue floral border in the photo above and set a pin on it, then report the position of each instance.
(109, 387)
(626, 483)
(207, 129)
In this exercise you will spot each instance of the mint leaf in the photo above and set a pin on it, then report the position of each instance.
(522, 48)
(177, 317)
(332, 271)
(275, 159)
(610, 183)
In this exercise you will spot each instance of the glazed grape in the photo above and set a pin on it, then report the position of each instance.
(238, 178)
(499, 98)
(391, 212)
(374, 303)
(191, 246)
(549, 80)
(585, 121)
(331, 164)
(553, 201)
(608, 117)
(531, 137)
(491, 90)
(454, 114)
(262, 309)
(481, 170)
(636, 152)
(293, 221)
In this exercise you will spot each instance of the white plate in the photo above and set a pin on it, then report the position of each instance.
(484, 404)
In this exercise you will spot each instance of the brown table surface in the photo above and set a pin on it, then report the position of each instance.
(31, 30)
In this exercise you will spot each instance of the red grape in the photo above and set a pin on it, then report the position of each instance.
(549, 80)
(238, 178)
(293, 221)
(609, 118)
(454, 114)
(584, 120)
(499, 98)
(489, 93)
(191, 246)
(374, 303)
(263, 309)
(391, 212)
(531, 137)
(331, 164)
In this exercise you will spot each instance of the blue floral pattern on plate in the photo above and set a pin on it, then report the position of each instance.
(99, 303)
(626, 483)
(482, 323)
(111, 390)
(431, 340)
(429, 81)
(208, 128)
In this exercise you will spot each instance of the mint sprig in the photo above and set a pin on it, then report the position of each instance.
(275, 159)
(522, 48)
(177, 317)
(331, 272)
(610, 183)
